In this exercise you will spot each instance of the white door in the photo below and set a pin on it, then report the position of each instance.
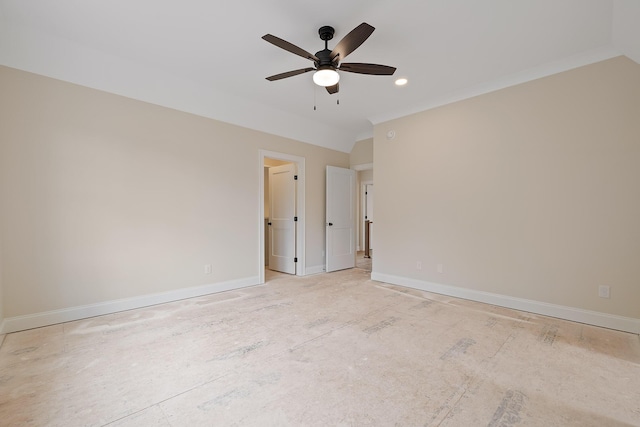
(341, 219)
(282, 225)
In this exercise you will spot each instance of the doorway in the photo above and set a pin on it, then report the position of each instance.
(365, 212)
(268, 158)
(367, 217)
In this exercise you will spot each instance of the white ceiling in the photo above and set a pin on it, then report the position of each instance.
(208, 58)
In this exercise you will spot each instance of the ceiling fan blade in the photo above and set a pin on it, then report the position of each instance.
(289, 74)
(283, 44)
(375, 69)
(333, 89)
(351, 41)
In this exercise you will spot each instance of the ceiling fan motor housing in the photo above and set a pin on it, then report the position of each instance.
(326, 33)
(324, 57)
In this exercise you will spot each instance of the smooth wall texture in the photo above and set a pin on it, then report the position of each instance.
(105, 197)
(1, 292)
(362, 152)
(530, 192)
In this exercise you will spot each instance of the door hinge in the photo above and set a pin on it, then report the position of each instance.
(295, 259)
(295, 177)
(295, 218)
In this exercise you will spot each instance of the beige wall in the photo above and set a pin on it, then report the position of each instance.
(1, 290)
(362, 152)
(365, 175)
(530, 192)
(105, 197)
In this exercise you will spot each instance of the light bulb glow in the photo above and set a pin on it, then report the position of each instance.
(326, 77)
(401, 82)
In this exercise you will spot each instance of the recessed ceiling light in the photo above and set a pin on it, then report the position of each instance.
(401, 82)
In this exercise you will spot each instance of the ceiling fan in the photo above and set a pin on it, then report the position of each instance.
(327, 62)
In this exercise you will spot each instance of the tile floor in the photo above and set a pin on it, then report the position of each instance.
(330, 349)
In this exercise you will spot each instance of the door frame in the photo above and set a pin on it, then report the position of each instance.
(300, 202)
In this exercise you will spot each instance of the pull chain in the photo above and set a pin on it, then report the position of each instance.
(315, 98)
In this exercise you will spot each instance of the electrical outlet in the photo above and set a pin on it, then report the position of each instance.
(604, 291)
(418, 265)
(207, 269)
(440, 268)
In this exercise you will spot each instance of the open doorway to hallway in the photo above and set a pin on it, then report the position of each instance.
(365, 216)
(281, 234)
(363, 262)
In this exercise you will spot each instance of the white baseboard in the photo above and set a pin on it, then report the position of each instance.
(316, 269)
(596, 318)
(30, 321)
(19, 323)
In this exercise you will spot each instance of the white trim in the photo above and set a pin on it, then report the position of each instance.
(362, 167)
(300, 203)
(30, 321)
(316, 269)
(611, 321)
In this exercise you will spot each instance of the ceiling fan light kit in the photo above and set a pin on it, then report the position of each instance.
(328, 62)
(326, 76)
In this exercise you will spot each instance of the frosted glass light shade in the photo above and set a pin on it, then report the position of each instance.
(326, 77)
